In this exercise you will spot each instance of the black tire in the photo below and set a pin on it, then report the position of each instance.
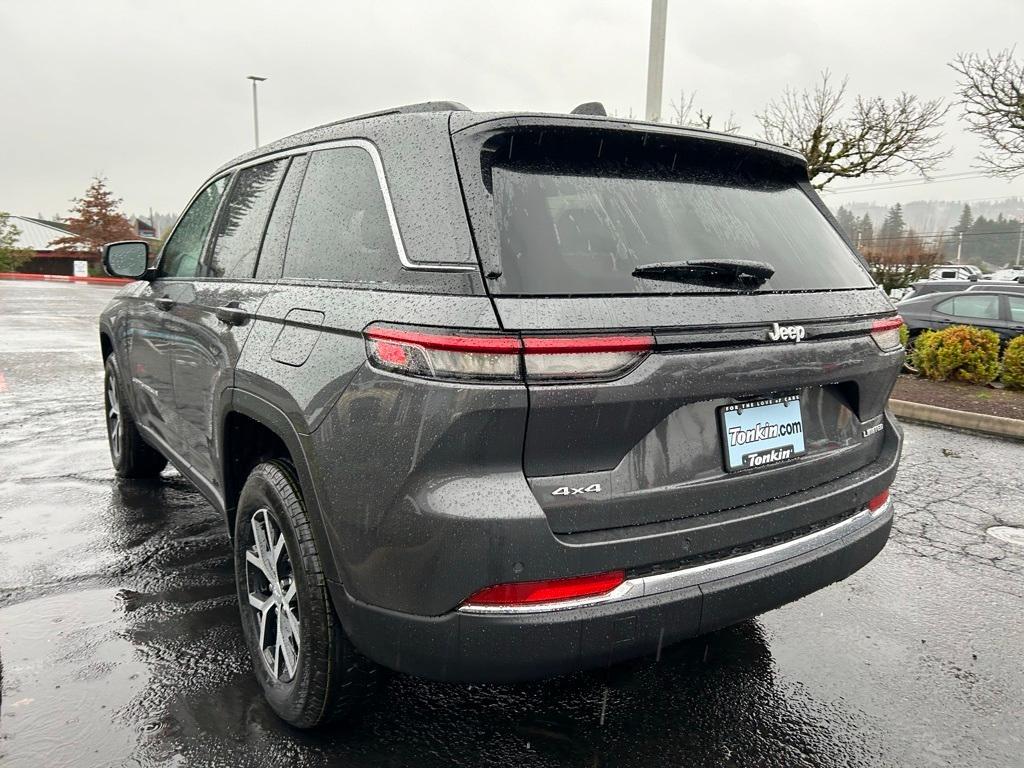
(130, 454)
(325, 677)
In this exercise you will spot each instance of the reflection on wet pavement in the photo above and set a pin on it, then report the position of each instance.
(120, 642)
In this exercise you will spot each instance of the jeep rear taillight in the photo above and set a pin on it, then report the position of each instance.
(470, 356)
(555, 358)
(886, 333)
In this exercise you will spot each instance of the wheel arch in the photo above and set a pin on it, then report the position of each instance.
(106, 343)
(255, 430)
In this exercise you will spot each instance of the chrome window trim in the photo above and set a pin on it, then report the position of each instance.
(371, 149)
(643, 586)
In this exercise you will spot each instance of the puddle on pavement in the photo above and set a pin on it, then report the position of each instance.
(67, 671)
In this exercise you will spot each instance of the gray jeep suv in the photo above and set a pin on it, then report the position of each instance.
(490, 397)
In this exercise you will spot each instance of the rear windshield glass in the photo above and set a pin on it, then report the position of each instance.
(581, 225)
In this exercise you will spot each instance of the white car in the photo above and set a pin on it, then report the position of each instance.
(954, 272)
(1012, 274)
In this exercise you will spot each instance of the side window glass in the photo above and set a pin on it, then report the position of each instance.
(341, 230)
(1016, 308)
(239, 229)
(182, 252)
(981, 307)
(276, 239)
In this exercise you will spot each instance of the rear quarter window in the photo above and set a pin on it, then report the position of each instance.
(340, 229)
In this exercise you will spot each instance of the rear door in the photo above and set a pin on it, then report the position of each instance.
(213, 312)
(1012, 322)
(744, 392)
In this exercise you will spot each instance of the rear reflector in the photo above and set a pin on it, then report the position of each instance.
(886, 333)
(460, 356)
(530, 592)
(879, 501)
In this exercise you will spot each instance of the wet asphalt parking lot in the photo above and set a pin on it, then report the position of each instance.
(120, 641)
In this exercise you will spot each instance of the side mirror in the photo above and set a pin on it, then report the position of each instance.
(128, 258)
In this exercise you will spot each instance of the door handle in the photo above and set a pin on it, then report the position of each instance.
(164, 303)
(231, 314)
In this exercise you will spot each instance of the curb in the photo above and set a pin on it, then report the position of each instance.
(999, 426)
(64, 278)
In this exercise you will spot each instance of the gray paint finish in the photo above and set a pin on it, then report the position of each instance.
(422, 492)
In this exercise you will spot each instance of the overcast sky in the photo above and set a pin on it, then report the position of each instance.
(153, 94)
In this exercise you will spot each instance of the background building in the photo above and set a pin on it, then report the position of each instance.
(38, 235)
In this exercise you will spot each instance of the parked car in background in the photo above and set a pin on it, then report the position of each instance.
(1010, 274)
(491, 396)
(988, 286)
(954, 272)
(926, 287)
(1002, 312)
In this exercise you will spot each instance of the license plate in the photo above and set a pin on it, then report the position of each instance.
(758, 433)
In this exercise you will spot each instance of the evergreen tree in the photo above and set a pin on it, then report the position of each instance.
(965, 220)
(993, 241)
(847, 221)
(96, 219)
(11, 256)
(865, 228)
(894, 226)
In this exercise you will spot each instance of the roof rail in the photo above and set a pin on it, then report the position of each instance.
(423, 106)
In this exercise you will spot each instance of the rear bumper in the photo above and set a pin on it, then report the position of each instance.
(501, 645)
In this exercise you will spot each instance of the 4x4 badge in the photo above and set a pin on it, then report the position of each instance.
(786, 332)
(568, 490)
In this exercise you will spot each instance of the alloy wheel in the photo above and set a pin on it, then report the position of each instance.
(115, 427)
(273, 596)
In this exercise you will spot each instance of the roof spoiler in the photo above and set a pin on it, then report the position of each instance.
(590, 108)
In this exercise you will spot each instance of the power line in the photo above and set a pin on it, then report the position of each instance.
(900, 184)
(996, 197)
(946, 233)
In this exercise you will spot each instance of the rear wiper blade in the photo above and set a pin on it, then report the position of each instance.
(708, 270)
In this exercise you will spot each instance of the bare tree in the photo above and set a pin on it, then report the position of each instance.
(899, 262)
(686, 116)
(873, 137)
(991, 93)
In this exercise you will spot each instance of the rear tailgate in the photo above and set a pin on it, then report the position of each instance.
(653, 440)
(562, 216)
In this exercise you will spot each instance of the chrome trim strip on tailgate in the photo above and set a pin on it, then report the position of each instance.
(700, 574)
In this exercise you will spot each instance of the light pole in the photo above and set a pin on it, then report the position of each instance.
(656, 59)
(255, 110)
(1020, 244)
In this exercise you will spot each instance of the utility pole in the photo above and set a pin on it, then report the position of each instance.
(255, 109)
(959, 245)
(656, 59)
(1020, 244)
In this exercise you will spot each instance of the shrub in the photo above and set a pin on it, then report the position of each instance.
(962, 353)
(904, 335)
(1013, 364)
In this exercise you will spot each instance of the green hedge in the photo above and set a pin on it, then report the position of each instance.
(1013, 364)
(961, 353)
